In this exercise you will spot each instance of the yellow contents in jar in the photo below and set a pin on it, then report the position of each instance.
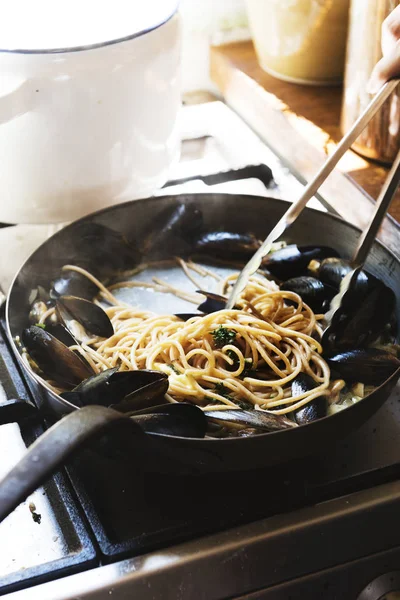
(300, 40)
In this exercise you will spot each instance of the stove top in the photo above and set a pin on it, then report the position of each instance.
(101, 511)
(145, 512)
(321, 527)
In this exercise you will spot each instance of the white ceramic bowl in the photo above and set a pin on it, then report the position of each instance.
(88, 126)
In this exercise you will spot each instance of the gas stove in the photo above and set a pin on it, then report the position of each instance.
(325, 527)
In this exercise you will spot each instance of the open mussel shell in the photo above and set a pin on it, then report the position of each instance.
(59, 331)
(173, 228)
(91, 317)
(181, 419)
(316, 409)
(293, 260)
(213, 302)
(371, 366)
(99, 248)
(366, 320)
(54, 358)
(254, 419)
(227, 245)
(111, 387)
(311, 290)
(153, 386)
(72, 283)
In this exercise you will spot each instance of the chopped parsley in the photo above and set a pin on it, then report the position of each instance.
(223, 336)
(244, 404)
(209, 400)
(174, 369)
(222, 390)
(233, 356)
(248, 370)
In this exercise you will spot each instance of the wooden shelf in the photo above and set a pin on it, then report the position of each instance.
(302, 125)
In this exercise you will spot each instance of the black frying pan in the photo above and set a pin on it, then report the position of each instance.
(148, 224)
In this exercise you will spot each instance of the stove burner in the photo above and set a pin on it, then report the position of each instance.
(46, 536)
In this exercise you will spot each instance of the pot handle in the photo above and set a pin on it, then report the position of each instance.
(52, 449)
(14, 99)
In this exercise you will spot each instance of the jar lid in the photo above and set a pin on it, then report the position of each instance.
(50, 26)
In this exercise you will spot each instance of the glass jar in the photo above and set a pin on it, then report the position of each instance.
(301, 41)
(381, 139)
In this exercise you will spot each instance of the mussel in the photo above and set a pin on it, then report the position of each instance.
(365, 320)
(72, 283)
(181, 419)
(99, 249)
(173, 228)
(127, 390)
(256, 419)
(55, 359)
(90, 316)
(333, 270)
(59, 331)
(227, 245)
(371, 366)
(213, 302)
(316, 409)
(312, 291)
(293, 260)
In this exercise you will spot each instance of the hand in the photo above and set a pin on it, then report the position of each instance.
(389, 66)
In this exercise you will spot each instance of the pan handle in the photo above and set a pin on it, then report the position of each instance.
(49, 452)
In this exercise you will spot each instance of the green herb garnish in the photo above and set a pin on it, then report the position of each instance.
(222, 390)
(244, 404)
(174, 369)
(41, 325)
(209, 400)
(235, 360)
(223, 336)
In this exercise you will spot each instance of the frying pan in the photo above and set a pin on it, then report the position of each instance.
(147, 224)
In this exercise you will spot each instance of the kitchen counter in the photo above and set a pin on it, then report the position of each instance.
(302, 125)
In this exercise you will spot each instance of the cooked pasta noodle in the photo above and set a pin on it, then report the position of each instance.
(246, 357)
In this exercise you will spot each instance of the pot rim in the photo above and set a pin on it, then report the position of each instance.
(97, 45)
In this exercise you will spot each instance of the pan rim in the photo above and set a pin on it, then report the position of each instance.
(179, 198)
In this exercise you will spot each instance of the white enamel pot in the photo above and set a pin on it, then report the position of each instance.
(90, 119)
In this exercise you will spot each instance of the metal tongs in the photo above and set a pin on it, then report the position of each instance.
(297, 207)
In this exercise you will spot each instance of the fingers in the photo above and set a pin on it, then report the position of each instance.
(387, 68)
(391, 30)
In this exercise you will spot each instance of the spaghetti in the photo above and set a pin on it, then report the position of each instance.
(244, 358)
